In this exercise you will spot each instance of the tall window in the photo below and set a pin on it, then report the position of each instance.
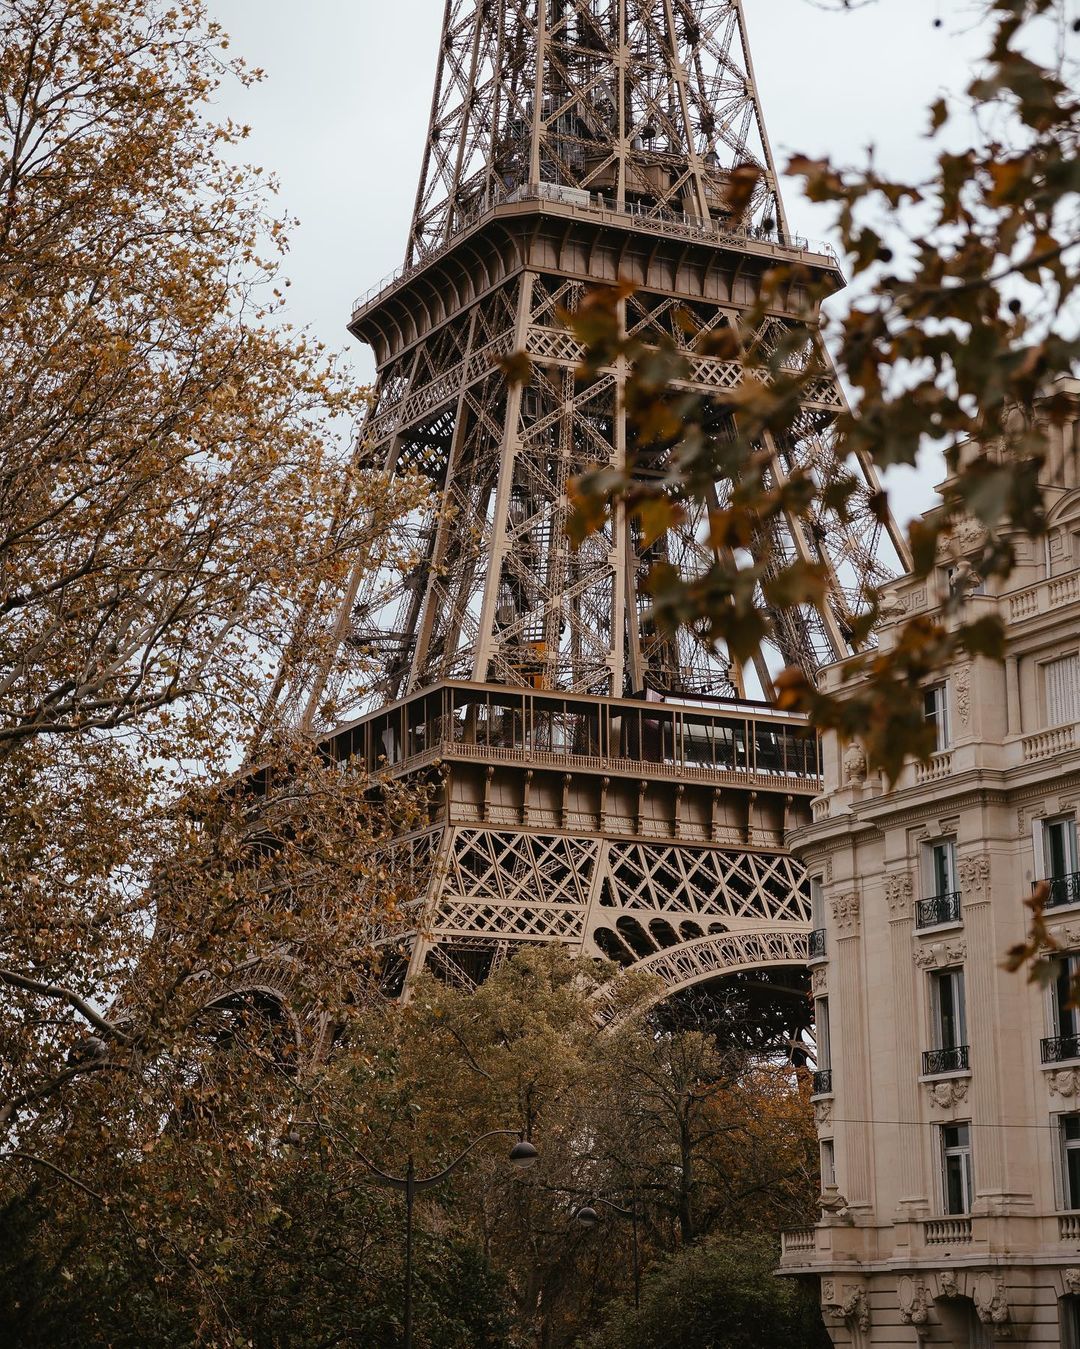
(1059, 848)
(957, 1187)
(1066, 1016)
(936, 712)
(1069, 1131)
(817, 902)
(1062, 690)
(823, 1076)
(828, 1164)
(950, 1019)
(941, 864)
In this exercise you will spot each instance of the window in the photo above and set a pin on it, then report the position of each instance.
(817, 919)
(823, 1076)
(1062, 685)
(936, 712)
(1066, 1016)
(828, 1164)
(956, 1167)
(817, 902)
(950, 1021)
(941, 859)
(1059, 848)
(1069, 1132)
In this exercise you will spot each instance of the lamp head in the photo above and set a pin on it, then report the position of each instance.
(587, 1216)
(523, 1155)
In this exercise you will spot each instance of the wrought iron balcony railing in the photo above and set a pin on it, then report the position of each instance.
(817, 944)
(1063, 890)
(938, 910)
(1055, 1048)
(955, 1060)
(823, 1082)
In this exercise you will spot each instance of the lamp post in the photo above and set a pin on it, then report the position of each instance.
(587, 1216)
(522, 1155)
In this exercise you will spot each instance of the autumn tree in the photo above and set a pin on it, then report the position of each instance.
(174, 492)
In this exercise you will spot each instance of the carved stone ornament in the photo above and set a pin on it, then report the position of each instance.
(915, 1302)
(1064, 1082)
(845, 912)
(962, 685)
(939, 954)
(992, 1304)
(947, 1284)
(820, 979)
(823, 1112)
(947, 1095)
(975, 875)
(851, 1308)
(854, 764)
(898, 894)
(1071, 1281)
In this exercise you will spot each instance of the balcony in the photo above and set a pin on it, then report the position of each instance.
(1063, 890)
(938, 911)
(798, 1241)
(1069, 1227)
(816, 944)
(823, 1082)
(938, 1061)
(947, 1232)
(1057, 1048)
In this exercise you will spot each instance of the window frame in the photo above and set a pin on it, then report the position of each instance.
(940, 718)
(953, 978)
(1070, 1195)
(827, 1161)
(962, 1153)
(1066, 716)
(947, 844)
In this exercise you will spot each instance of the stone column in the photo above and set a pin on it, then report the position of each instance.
(980, 972)
(911, 1181)
(847, 1004)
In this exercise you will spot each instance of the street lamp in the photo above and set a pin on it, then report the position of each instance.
(587, 1217)
(521, 1156)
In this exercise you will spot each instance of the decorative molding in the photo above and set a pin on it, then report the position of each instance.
(854, 765)
(992, 1304)
(898, 890)
(1071, 1281)
(975, 878)
(823, 1112)
(962, 685)
(939, 954)
(849, 1306)
(846, 909)
(1064, 1082)
(948, 1287)
(915, 1301)
(947, 1095)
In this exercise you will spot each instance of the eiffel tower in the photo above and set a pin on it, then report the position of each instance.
(603, 783)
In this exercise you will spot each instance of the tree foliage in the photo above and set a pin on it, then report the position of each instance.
(172, 493)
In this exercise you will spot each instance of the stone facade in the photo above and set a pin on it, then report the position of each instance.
(948, 1092)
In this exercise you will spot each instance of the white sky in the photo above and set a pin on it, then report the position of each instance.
(341, 118)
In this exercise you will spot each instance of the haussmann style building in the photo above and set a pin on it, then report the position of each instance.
(948, 1089)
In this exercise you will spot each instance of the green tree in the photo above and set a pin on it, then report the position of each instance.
(720, 1294)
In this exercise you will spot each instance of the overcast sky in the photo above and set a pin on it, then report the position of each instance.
(341, 116)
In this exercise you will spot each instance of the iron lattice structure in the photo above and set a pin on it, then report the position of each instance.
(571, 143)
